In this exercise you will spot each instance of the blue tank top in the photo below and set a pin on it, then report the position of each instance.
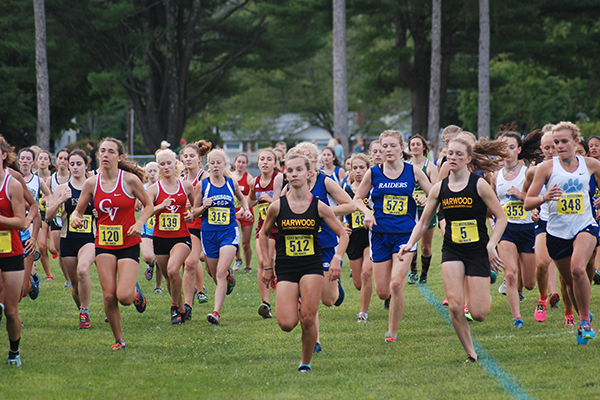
(394, 207)
(326, 236)
(221, 214)
(594, 194)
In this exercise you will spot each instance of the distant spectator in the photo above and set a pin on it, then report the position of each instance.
(93, 161)
(182, 144)
(282, 146)
(360, 146)
(164, 145)
(335, 144)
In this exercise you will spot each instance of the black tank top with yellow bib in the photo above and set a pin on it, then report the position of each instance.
(466, 215)
(418, 190)
(298, 242)
(88, 229)
(356, 220)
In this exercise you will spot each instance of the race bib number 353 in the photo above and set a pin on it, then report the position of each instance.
(514, 210)
(570, 203)
(465, 231)
(299, 245)
(110, 235)
(395, 205)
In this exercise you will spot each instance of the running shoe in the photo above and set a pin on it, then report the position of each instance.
(470, 360)
(554, 300)
(247, 269)
(493, 276)
(304, 368)
(158, 290)
(586, 330)
(341, 294)
(238, 264)
(67, 284)
(49, 278)
(317, 348)
(119, 345)
(518, 323)
(596, 277)
(423, 280)
(230, 282)
(502, 287)
(386, 303)
(413, 278)
(445, 302)
(149, 272)
(569, 320)
(188, 312)
(389, 338)
(468, 315)
(202, 298)
(84, 321)
(214, 318)
(34, 292)
(540, 311)
(14, 360)
(362, 317)
(106, 318)
(521, 297)
(140, 300)
(175, 316)
(264, 310)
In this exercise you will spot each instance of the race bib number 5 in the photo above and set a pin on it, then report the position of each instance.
(169, 222)
(85, 228)
(514, 210)
(218, 216)
(395, 205)
(570, 203)
(299, 245)
(465, 231)
(110, 235)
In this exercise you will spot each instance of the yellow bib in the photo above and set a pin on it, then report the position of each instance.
(5, 242)
(218, 216)
(419, 192)
(514, 210)
(169, 222)
(110, 235)
(262, 209)
(465, 231)
(299, 245)
(151, 222)
(570, 203)
(395, 205)
(236, 202)
(85, 228)
(358, 220)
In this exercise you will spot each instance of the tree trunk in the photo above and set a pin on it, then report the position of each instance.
(41, 70)
(435, 75)
(340, 76)
(483, 120)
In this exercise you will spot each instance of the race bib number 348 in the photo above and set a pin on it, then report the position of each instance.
(570, 203)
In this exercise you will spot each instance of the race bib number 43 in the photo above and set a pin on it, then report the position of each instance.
(465, 231)
(218, 216)
(110, 235)
(514, 210)
(395, 205)
(299, 245)
(570, 203)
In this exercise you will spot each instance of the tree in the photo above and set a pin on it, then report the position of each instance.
(41, 68)
(436, 64)
(483, 125)
(340, 75)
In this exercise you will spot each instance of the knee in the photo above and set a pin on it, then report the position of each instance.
(222, 274)
(328, 301)
(287, 326)
(530, 285)
(11, 313)
(148, 259)
(579, 272)
(426, 250)
(511, 277)
(307, 321)
(173, 273)
(455, 308)
(110, 298)
(397, 285)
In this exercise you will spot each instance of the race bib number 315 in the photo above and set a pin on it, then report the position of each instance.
(218, 216)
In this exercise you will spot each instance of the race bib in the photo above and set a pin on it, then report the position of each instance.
(514, 210)
(5, 242)
(358, 220)
(299, 245)
(42, 206)
(419, 192)
(395, 205)
(262, 209)
(110, 235)
(570, 203)
(85, 228)
(218, 216)
(236, 202)
(465, 231)
(169, 222)
(151, 222)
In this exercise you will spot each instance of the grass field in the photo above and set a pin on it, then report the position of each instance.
(247, 357)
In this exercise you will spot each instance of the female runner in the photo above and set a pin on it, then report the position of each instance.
(263, 190)
(298, 263)
(76, 245)
(358, 249)
(220, 233)
(193, 277)
(391, 186)
(61, 176)
(572, 232)
(171, 237)
(331, 165)
(243, 178)
(114, 190)
(594, 152)
(45, 170)
(147, 246)
(376, 153)
(517, 243)
(418, 149)
(467, 253)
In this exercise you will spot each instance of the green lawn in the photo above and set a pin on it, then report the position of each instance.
(251, 358)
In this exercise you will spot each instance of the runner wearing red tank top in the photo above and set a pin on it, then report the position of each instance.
(263, 191)
(114, 189)
(172, 243)
(243, 178)
(193, 277)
